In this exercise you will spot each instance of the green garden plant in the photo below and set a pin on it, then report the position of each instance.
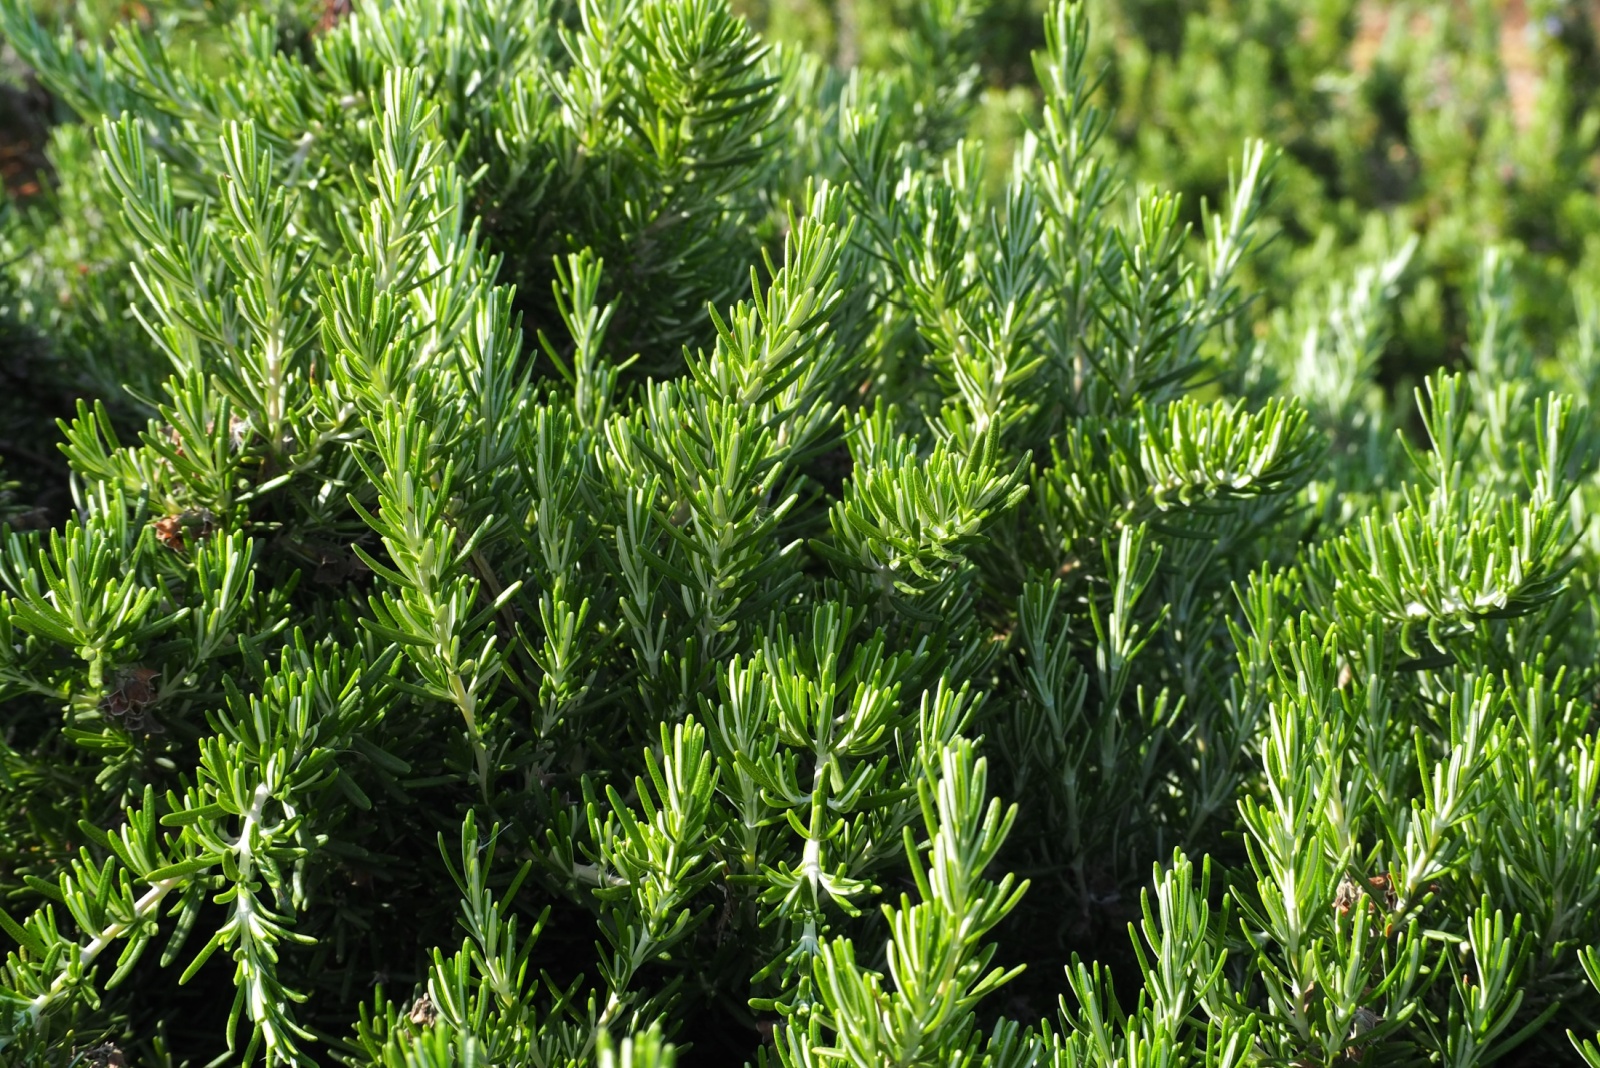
(600, 542)
(1462, 123)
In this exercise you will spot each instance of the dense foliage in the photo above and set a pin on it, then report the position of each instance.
(596, 541)
(1466, 123)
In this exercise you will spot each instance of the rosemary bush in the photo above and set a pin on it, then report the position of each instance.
(602, 543)
(1466, 123)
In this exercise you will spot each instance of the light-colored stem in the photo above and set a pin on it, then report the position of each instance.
(88, 954)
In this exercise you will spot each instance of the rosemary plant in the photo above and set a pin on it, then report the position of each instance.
(624, 546)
